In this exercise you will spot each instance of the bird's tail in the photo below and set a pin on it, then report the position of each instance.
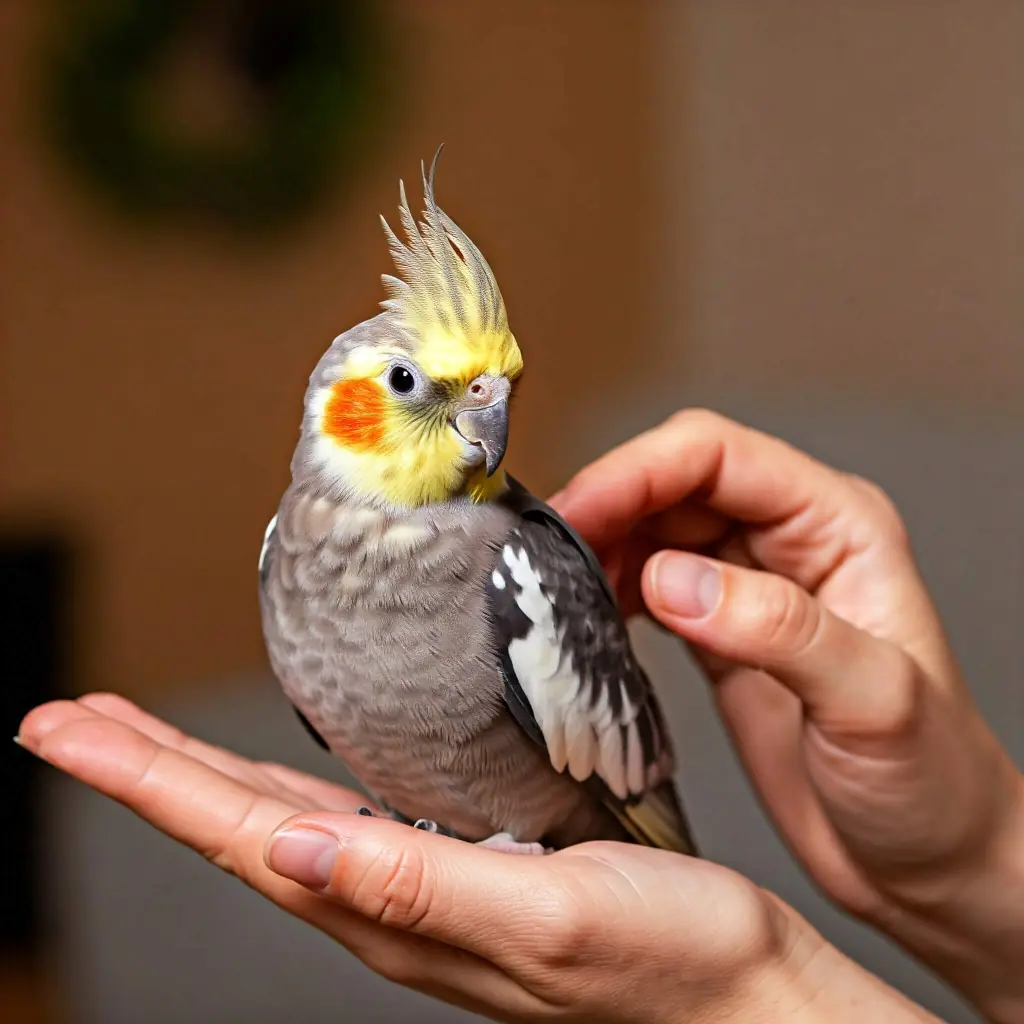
(659, 820)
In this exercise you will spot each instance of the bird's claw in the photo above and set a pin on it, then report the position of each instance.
(426, 825)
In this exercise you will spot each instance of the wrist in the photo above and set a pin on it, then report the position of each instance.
(973, 937)
(809, 981)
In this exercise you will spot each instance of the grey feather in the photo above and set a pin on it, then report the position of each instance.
(388, 653)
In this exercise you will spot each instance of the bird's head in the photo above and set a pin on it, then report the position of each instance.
(411, 407)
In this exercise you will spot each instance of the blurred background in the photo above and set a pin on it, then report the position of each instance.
(807, 215)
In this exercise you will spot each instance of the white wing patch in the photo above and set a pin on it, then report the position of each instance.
(579, 737)
(266, 541)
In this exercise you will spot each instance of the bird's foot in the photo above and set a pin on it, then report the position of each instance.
(423, 823)
(504, 843)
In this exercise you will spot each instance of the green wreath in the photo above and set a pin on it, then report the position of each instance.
(308, 65)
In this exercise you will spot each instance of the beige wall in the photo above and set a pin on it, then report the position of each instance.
(151, 381)
(835, 210)
(846, 187)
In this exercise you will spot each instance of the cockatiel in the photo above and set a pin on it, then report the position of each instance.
(444, 632)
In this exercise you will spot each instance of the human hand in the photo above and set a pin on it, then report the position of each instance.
(599, 933)
(796, 587)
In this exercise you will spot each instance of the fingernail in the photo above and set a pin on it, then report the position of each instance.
(305, 855)
(687, 585)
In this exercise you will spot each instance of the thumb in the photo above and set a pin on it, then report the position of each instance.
(446, 889)
(850, 682)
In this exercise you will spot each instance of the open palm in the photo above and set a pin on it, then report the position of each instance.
(586, 934)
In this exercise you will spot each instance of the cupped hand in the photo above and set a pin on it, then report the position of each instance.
(601, 932)
(796, 587)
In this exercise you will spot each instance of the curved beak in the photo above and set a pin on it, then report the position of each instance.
(487, 427)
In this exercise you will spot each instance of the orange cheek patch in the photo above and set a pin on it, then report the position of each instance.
(354, 415)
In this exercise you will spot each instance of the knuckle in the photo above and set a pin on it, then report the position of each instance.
(228, 852)
(395, 888)
(883, 510)
(696, 418)
(782, 618)
(102, 698)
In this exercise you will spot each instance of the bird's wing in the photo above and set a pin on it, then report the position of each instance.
(571, 678)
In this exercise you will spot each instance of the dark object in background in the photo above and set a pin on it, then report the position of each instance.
(35, 639)
(311, 72)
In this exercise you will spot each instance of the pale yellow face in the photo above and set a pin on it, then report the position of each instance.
(386, 424)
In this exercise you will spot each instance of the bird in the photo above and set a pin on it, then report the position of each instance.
(436, 626)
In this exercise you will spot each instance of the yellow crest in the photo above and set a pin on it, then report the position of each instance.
(446, 295)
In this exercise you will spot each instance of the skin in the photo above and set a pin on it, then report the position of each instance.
(856, 727)
(856, 724)
(514, 938)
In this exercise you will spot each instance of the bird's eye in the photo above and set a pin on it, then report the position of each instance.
(401, 381)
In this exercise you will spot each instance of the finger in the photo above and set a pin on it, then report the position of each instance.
(687, 525)
(803, 519)
(209, 810)
(318, 792)
(684, 526)
(850, 682)
(740, 474)
(229, 823)
(299, 784)
(623, 564)
(479, 900)
(111, 705)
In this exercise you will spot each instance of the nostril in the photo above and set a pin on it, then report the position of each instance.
(476, 389)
